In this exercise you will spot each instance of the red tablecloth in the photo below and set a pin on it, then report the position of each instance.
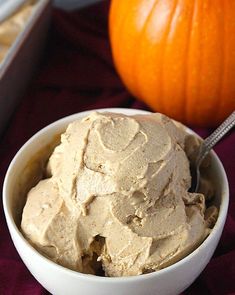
(77, 74)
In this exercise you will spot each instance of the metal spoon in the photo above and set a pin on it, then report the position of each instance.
(206, 146)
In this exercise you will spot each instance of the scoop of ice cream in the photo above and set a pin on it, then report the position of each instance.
(117, 193)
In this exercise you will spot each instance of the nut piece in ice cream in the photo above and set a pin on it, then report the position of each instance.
(117, 196)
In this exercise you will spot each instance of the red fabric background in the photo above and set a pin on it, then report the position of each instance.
(77, 74)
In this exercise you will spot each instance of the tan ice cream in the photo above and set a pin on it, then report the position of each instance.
(117, 195)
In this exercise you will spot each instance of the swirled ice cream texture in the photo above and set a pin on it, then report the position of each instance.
(117, 193)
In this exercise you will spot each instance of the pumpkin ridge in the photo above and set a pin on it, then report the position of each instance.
(193, 92)
(223, 60)
(133, 88)
(168, 29)
(121, 26)
(135, 56)
(228, 102)
(210, 62)
(187, 53)
(138, 41)
(200, 59)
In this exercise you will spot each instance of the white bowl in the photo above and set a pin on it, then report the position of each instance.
(59, 280)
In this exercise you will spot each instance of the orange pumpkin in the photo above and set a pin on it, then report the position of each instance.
(178, 56)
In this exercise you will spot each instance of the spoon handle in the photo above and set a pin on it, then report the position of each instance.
(215, 137)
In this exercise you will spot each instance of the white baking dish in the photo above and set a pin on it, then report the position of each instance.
(17, 67)
(73, 4)
(8, 7)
